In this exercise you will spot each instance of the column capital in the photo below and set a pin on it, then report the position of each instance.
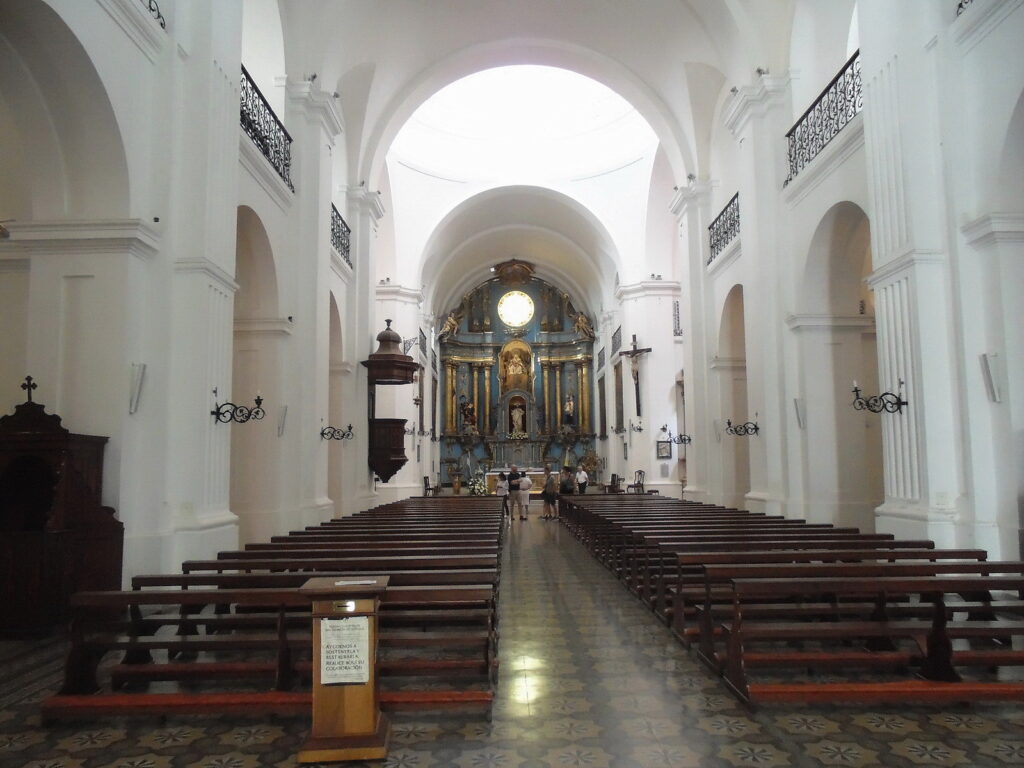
(317, 106)
(365, 201)
(754, 101)
(691, 197)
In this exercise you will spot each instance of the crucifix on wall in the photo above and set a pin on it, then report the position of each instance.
(633, 353)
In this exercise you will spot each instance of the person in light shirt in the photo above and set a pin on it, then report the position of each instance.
(582, 478)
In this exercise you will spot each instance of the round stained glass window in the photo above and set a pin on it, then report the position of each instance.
(515, 309)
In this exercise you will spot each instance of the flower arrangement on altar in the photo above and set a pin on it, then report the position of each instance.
(477, 486)
(517, 435)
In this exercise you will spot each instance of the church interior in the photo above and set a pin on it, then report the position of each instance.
(284, 268)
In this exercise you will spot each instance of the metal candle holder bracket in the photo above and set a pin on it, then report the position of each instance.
(742, 430)
(336, 433)
(887, 401)
(228, 412)
(677, 439)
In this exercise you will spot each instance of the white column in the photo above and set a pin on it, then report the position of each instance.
(758, 117)
(315, 125)
(365, 211)
(692, 208)
(923, 446)
(647, 312)
(202, 155)
(402, 306)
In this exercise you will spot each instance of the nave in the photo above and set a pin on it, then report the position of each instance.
(588, 677)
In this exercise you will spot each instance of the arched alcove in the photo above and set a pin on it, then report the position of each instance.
(731, 367)
(841, 447)
(63, 156)
(258, 333)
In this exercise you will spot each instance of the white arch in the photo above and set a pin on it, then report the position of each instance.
(580, 253)
(507, 52)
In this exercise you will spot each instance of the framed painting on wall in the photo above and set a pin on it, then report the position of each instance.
(664, 449)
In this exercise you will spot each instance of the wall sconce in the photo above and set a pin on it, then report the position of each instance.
(638, 427)
(334, 433)
(236, 413)
(742, 430)
(886, 401)
(417, 401)
(423, 432)
(678, 439)
(618, 430)
(410, 430)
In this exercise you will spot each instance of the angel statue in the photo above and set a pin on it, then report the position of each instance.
(451, 324)
(582, 326)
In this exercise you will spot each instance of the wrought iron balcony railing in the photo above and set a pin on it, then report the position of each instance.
(837, 105)
(724, 229)
(155, 10)
(340, 236)
(265, 129)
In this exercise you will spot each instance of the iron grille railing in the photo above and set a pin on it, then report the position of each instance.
(433, 360)
(677, 328)
(423, 343)
(264, 128)
(962, 6)
(600, 358)
(155, 10)
(341, 235)
(617, 340)
(837, 105)
(724, 228)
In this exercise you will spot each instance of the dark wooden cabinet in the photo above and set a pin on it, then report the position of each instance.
(56, 537)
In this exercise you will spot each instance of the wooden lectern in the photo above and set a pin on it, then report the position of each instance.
(347, 721)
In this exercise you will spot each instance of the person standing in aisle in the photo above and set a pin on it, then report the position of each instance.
(549, 494)
(501, 489)
(582, 478)
(514, 500)
(525, 484)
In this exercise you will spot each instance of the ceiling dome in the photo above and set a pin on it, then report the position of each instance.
(523, 124)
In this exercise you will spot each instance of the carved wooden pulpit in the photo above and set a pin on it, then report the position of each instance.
(56, 537)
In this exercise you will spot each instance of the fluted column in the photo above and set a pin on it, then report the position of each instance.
(487, 396)
(545, 370)
(476, 392)
(584, 367)
(449, 397)
(558, 395)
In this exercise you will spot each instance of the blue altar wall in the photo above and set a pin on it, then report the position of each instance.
(550, 335)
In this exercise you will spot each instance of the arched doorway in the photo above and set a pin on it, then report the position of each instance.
(731, 367)
(258, 332)
(842, 447)
(336, 410)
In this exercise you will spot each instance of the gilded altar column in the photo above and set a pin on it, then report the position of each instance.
(558, 395)
(476, 392)
(545, 369)
(486, 368)
(584, 380)
(449, 419)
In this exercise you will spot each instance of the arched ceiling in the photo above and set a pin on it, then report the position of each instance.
(565, 242)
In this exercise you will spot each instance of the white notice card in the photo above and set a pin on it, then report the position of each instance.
(345, 650)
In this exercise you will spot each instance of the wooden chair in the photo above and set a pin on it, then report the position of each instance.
(428, 489)
(637, 486)
(614, 485)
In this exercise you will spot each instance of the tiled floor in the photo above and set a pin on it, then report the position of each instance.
(588, 678)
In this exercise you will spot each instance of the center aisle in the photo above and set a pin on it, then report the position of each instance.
(590, 678)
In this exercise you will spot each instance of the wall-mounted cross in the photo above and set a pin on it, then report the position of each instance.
(28, 386)
(634, 357)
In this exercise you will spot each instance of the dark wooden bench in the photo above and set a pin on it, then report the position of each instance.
(951, 588)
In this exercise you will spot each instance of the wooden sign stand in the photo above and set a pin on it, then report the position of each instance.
(347, 721)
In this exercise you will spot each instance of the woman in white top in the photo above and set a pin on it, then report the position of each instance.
(582, 478)
(501, 489)
(525, 484)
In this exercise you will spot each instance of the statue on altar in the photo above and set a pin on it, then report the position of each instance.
(517, 417)
(468, 415)
(516, 367)
(582, 327)
(569, 410)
